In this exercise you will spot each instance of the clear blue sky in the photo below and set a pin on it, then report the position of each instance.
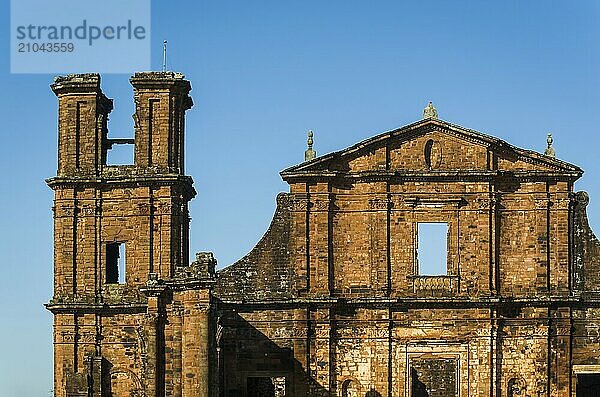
(263, 73)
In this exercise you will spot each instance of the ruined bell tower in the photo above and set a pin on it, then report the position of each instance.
(122, 278)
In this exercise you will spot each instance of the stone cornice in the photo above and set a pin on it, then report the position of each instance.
(130, 179)
(431, 175)
(87, 84)
(161, 82)
(82, 307)
(410, 303)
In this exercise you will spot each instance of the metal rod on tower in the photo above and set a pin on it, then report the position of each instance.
(165, 56)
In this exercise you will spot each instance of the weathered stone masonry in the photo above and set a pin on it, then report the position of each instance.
(148, 336)
(331, 301)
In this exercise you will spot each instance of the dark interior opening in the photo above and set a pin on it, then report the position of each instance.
(588, 385)
(434, 377)
(115, 263)
(418, 388)
(260, 387)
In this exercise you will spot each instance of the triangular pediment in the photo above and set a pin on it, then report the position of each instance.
(432, 146)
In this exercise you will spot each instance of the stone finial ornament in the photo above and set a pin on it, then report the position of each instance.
(430, 112)
(550, 152)
(310, 154)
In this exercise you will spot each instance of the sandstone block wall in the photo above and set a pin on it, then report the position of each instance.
(152, 334)
(360, 320)
(333, 300)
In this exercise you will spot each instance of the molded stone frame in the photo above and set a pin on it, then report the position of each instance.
(593, 369)
(430, 350)
(437, 211)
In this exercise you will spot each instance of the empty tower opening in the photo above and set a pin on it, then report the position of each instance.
(119, 151)
(115, 263)
(432, 248)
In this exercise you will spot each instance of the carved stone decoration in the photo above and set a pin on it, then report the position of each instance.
(88, 210)
(563, 329)
(87, 337)
(550, 152)
(433, 154)
(67, 210)
(310, 153)
(321, 204)
(299, 332)
(593, 331)
(379, 204)
(177, 310)
(143, 209)
(164, 208)
(299, 204)
(582, 199)
(66, 337)
(76, 384)
(516, 387)
(182, 209)
(279, 386)
(430, 112)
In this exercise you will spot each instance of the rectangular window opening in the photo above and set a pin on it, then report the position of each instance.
(432, 248)
(115, 263)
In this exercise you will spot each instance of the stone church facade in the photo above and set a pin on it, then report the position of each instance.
(339, 297)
